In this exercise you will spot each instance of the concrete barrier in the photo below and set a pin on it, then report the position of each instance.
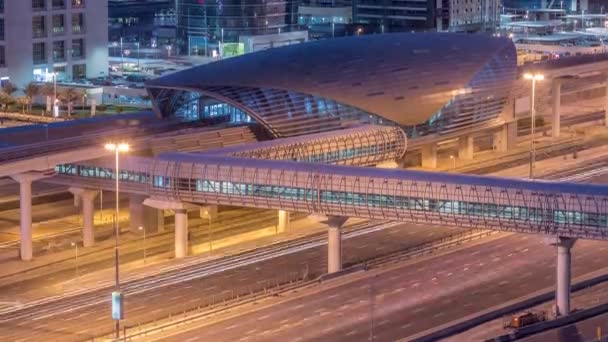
(471, 321)
(549, 325)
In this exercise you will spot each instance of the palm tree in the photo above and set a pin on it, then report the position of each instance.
(68, 96)
(31, 90)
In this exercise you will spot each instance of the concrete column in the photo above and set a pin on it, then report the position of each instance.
(209, 212)
(283, 224)
(606, 104)
(563, 279)
(141, 215)
(429, 156)
(25, 211)
(25, 217)
(87, 197)
(334, 243)
(557, 102)
(465, 147)
(181, 233)
(564, 269)
(160, 220)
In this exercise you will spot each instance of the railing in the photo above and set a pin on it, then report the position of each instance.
(209, 306)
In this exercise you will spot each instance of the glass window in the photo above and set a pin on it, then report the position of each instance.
(78, 48)
(78, 22)
(77, 3)
(39, 53)
(2, 57)
(1, 29)
(38, 27)
(38, 5)
(58, 4)
(1, 6)
(59, 51)
(58, 24)
(79, 71)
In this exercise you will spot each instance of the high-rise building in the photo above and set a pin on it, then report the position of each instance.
(396, 15)
(41, 37)
(467, 15)
(568, 5)
(202, 24)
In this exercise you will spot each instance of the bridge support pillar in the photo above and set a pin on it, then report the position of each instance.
(429, 156)
(181, 221)
(141, 215)
(466, 145)
(181, 233)
(25, 211)
(557, 103)
(334, 243)
(606, 103)
(209, 212)
(88, 213)
(562, 293)
(283, 224)
(160, 220)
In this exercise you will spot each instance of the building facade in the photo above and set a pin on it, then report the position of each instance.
(467, 15)
(40, 38)
(203, 24)
(396, 15)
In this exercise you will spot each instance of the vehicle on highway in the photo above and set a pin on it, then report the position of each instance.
(525, 319)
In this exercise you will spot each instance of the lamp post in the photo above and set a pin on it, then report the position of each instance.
(55, 109)
(117, 149)
(453, 162)
(533, 78)
(75, 245)
(144, 231)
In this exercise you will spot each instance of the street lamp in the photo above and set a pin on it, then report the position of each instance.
(533, 78)
(453, 162)
(75, 245)
(117, 149)
(359, 30)
(55, 109)
(144, 231)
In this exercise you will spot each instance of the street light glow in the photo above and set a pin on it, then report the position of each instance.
(122, 147)
(535, 77)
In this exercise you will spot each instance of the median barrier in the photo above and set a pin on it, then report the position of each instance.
(552, 324)
(471, 321)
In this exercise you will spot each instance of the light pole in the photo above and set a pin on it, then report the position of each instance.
(84, 100)
(55, 109)
(453, 162)
(533, 78)
(144, 231)
(122, 59)
(75, 245)
(117, 149)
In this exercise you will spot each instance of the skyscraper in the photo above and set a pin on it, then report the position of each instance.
(43, 38)
(202, 24)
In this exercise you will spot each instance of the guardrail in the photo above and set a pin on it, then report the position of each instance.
(299, 281)
(423, 249)
(290, 281)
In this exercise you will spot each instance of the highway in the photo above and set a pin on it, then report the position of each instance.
(410, 298)
(170, 292)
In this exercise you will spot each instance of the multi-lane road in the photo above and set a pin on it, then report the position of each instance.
(408, 299)
(173, 291)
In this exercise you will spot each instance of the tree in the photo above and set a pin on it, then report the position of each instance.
(48, 90)
(31, 90)
(23, 101)
(9, 89)
(6, 99)
(68, 96)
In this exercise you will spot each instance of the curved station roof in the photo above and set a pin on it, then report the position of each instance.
(404, 79)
